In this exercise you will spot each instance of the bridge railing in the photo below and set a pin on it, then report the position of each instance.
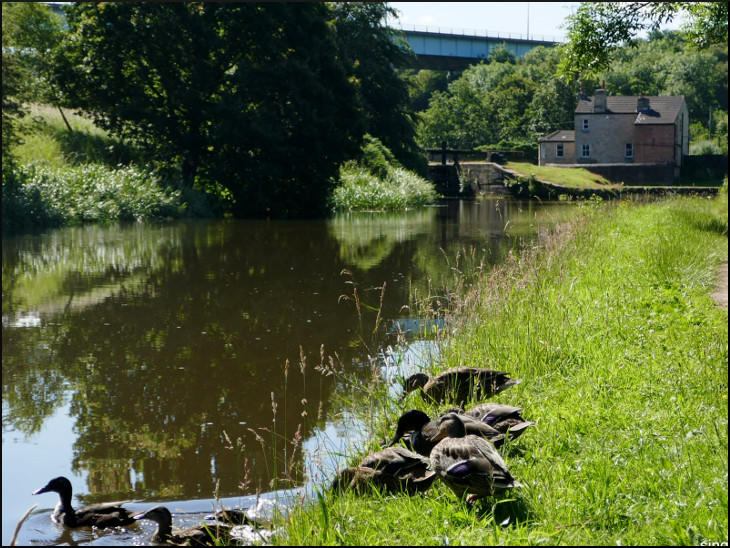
(480, 33)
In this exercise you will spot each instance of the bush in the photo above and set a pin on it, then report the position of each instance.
(701, 148)
(376, 180)
(362, 190)
(42, 196)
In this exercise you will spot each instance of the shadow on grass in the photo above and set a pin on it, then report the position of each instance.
(82, 147)
(505, 512)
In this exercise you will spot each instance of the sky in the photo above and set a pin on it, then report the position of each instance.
(538, 19)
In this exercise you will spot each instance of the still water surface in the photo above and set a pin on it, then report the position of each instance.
(163, 362)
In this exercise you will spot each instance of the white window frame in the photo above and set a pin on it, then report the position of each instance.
(586, 125)
(629, 150)
(585, 151)
(560, 150)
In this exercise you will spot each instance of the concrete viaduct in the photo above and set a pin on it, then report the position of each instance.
(457, 49)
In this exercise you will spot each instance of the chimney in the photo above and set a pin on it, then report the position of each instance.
(642, 103)
(599, 100)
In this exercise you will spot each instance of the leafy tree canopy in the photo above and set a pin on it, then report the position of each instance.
(598, 29)
(32, 32)
(373, 53)
(250, 100)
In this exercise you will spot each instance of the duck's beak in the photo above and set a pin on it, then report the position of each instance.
(41, 491)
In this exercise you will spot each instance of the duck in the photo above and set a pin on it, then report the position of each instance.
(504, 418)
(198, 535)
(469, 464)
(459, 384)
(104, 514)
(393, 469)
(234, 516)
(422, 433)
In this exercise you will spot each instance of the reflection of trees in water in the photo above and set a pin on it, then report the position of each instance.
(168, 341)
(174, 376)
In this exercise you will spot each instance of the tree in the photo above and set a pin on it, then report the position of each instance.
(598, 29)
(373, 53)
(33, 32)
(249, 100)
(12, 110)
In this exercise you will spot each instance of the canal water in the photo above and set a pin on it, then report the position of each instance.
(191, 361)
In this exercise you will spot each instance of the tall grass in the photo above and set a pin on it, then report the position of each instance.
(377, 181)
(624, 356)
(43, 196)
(400, 189)
(46, 140)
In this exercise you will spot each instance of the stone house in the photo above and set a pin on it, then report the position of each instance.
(621, 130)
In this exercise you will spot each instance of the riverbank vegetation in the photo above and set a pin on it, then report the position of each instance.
(507, 103)
(178, 100)
(377, 181)
(624, 359)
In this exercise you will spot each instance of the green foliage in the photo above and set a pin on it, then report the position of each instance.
(48, 141)
(496, 101)
(370, 51)
(246, 98)
(698, 148)
(48, 197)
(376, 157)
(422, 84)
(360, 189)
(598, 29)
(12, 111)
(377, 181)
(32, 32)
(502, 54)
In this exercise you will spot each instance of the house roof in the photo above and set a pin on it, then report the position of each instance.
(662, 109)
(560, 136)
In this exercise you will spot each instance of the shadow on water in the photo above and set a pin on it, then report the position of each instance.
(184, 361)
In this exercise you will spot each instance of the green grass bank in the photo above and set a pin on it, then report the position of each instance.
(623, 353)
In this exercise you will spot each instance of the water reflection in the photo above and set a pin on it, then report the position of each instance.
(186, 353)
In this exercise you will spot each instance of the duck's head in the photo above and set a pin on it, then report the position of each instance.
(159, 514)
(450, 426)
(409, 421)
(59, 485)
(415, 381)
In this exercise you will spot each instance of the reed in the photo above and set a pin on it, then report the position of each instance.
(624, 356)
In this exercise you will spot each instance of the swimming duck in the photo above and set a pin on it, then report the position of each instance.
(507, 419)
(469, 464)
(422, 434)
(199, 535)
(459, 384)
(104, 514)
(393, 469)
(234, 516)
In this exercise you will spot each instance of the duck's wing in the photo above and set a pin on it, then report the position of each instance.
(104, 515)
(492, 413)
(478, 428)
(393, 460)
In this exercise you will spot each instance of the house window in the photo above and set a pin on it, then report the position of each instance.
(586, 151)
(559, 150)
(629, 150)
(586, 127)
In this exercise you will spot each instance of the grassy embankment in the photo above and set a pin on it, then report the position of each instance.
(81, 176)
(67, 178)
(624, 359)
(577, 178)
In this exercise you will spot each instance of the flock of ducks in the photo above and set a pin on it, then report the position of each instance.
(113, 514)
(459, 447)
